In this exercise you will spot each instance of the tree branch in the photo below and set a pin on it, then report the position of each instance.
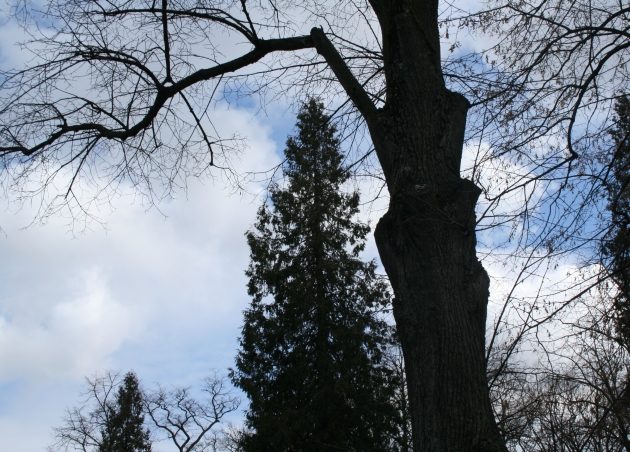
(345, 77)
(164, 93)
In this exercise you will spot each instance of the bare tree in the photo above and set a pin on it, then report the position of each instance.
(558, 68)
(83, 426)
(188, 421)
(579, 400)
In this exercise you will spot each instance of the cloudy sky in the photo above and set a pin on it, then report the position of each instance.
(157, 290)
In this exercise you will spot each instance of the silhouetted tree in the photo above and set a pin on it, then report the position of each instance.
(312, 349)
(111, 418)
(124, 429)
(189, 422)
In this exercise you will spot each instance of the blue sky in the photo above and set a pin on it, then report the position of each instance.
(160, 292)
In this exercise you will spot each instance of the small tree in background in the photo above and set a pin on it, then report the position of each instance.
(83, 425)
(112, 417)
(188, 422)
(124, 429)
(312, 349)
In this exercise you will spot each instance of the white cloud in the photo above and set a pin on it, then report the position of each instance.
(64, 338)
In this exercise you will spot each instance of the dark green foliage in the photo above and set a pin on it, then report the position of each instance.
(617, 248)
(124, 421)
(312, 350)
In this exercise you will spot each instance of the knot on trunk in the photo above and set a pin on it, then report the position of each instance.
(430, 232)
(449, 205)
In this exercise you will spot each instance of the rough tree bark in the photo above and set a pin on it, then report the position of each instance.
(426, 240)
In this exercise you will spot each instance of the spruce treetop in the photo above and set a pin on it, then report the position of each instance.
(124, 429)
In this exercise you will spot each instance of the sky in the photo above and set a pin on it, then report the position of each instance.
(159, 290)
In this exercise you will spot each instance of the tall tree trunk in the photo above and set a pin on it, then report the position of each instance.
(426, 240)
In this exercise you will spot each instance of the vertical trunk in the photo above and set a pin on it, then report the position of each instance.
(427, 244)
(426, 240)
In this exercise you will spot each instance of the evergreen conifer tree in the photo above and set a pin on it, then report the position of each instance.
(312, 344)
(124, 429)
(617, 248)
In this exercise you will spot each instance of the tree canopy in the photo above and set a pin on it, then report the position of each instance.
(617, 248)
(118, 416)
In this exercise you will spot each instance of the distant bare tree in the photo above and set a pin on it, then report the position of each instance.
(176, 415)
(576, 398)
(83, 425)
(188, 421)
